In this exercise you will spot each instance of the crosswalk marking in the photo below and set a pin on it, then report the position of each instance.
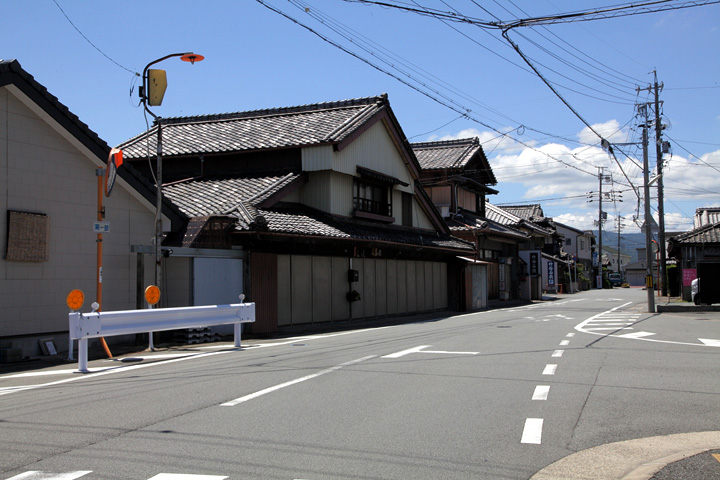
(38, 475)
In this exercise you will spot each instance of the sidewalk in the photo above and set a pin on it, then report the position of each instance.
(686, 456)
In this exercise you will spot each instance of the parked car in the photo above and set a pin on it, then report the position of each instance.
(615, 279)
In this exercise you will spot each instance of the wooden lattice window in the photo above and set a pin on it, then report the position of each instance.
(28, 237)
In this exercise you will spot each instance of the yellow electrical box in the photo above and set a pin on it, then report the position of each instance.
(157, 84)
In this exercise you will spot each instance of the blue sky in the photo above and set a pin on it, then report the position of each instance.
(458, 80)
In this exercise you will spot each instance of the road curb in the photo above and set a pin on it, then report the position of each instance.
(637, 459)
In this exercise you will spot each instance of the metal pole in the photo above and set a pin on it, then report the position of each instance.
(648, 221)
(158, 206)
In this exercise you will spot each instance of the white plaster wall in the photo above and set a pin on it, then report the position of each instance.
(43, 171)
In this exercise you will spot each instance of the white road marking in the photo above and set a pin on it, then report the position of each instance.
(558, 353)
(541, 392)
(564, 343)
(421, 349)
(37, 475)
(407, 352)
(550, 369)
(592, 326)
(570, 335)
(635, 335)
(260, 393)
(532, 433)
(182, 476)
(450, 353)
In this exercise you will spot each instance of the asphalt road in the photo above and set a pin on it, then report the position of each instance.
(509, 393)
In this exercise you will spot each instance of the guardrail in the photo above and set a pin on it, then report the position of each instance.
(84, 326)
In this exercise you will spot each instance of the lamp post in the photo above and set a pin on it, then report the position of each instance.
(152, 92)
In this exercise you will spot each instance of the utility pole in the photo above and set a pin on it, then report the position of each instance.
(662, 277)
(661, 208)
(600, 224)
(648, 214)
(619, 226)
(602, 216)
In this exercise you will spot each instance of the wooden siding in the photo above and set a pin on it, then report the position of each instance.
(264, 291)
(313, 289)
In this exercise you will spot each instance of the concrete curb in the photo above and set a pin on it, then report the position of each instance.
(637, 459)
(686, 307)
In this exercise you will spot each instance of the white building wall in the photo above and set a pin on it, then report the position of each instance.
(43, 170)
(331, 174)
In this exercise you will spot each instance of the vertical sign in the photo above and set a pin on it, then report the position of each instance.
(689, 274)
(534, 270)
(501, 275)
(551, 272)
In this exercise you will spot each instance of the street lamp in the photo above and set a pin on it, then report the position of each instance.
(151, 93)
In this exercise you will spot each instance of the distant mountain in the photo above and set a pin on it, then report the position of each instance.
(629, 242)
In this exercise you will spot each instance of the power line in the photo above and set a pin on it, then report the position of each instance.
(91, 43)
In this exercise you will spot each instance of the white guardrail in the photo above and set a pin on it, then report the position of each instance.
(84, 326)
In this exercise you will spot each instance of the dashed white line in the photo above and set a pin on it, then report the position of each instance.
(557, 353)
(564, 343)
(532, 433)
(541, 392)
(550, 369)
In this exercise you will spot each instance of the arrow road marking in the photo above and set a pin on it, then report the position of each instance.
(710, 342)
(421, 349)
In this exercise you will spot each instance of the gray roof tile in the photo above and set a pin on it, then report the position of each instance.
(296, 219)
(320, 123)
(220, 195)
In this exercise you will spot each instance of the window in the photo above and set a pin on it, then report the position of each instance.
(568, 241)
(407, 210)
(370, 197)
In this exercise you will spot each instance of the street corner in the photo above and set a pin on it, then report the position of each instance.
(637, 459)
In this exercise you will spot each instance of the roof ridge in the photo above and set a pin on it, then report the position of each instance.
(447, 143)
(276, 111)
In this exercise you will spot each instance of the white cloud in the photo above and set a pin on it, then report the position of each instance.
(560, 178)
(610, 131)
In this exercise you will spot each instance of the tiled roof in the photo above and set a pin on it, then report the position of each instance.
(220, 195)
(329, 122)
(454, 155)
(296, 219)
(446, 154)
(527, 212)
(709, 234)
(467, 221)
(507, 218)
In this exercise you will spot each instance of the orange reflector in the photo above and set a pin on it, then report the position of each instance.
(152, 294)
(75, 299)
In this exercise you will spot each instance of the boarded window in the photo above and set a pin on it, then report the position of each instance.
(27, 237)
